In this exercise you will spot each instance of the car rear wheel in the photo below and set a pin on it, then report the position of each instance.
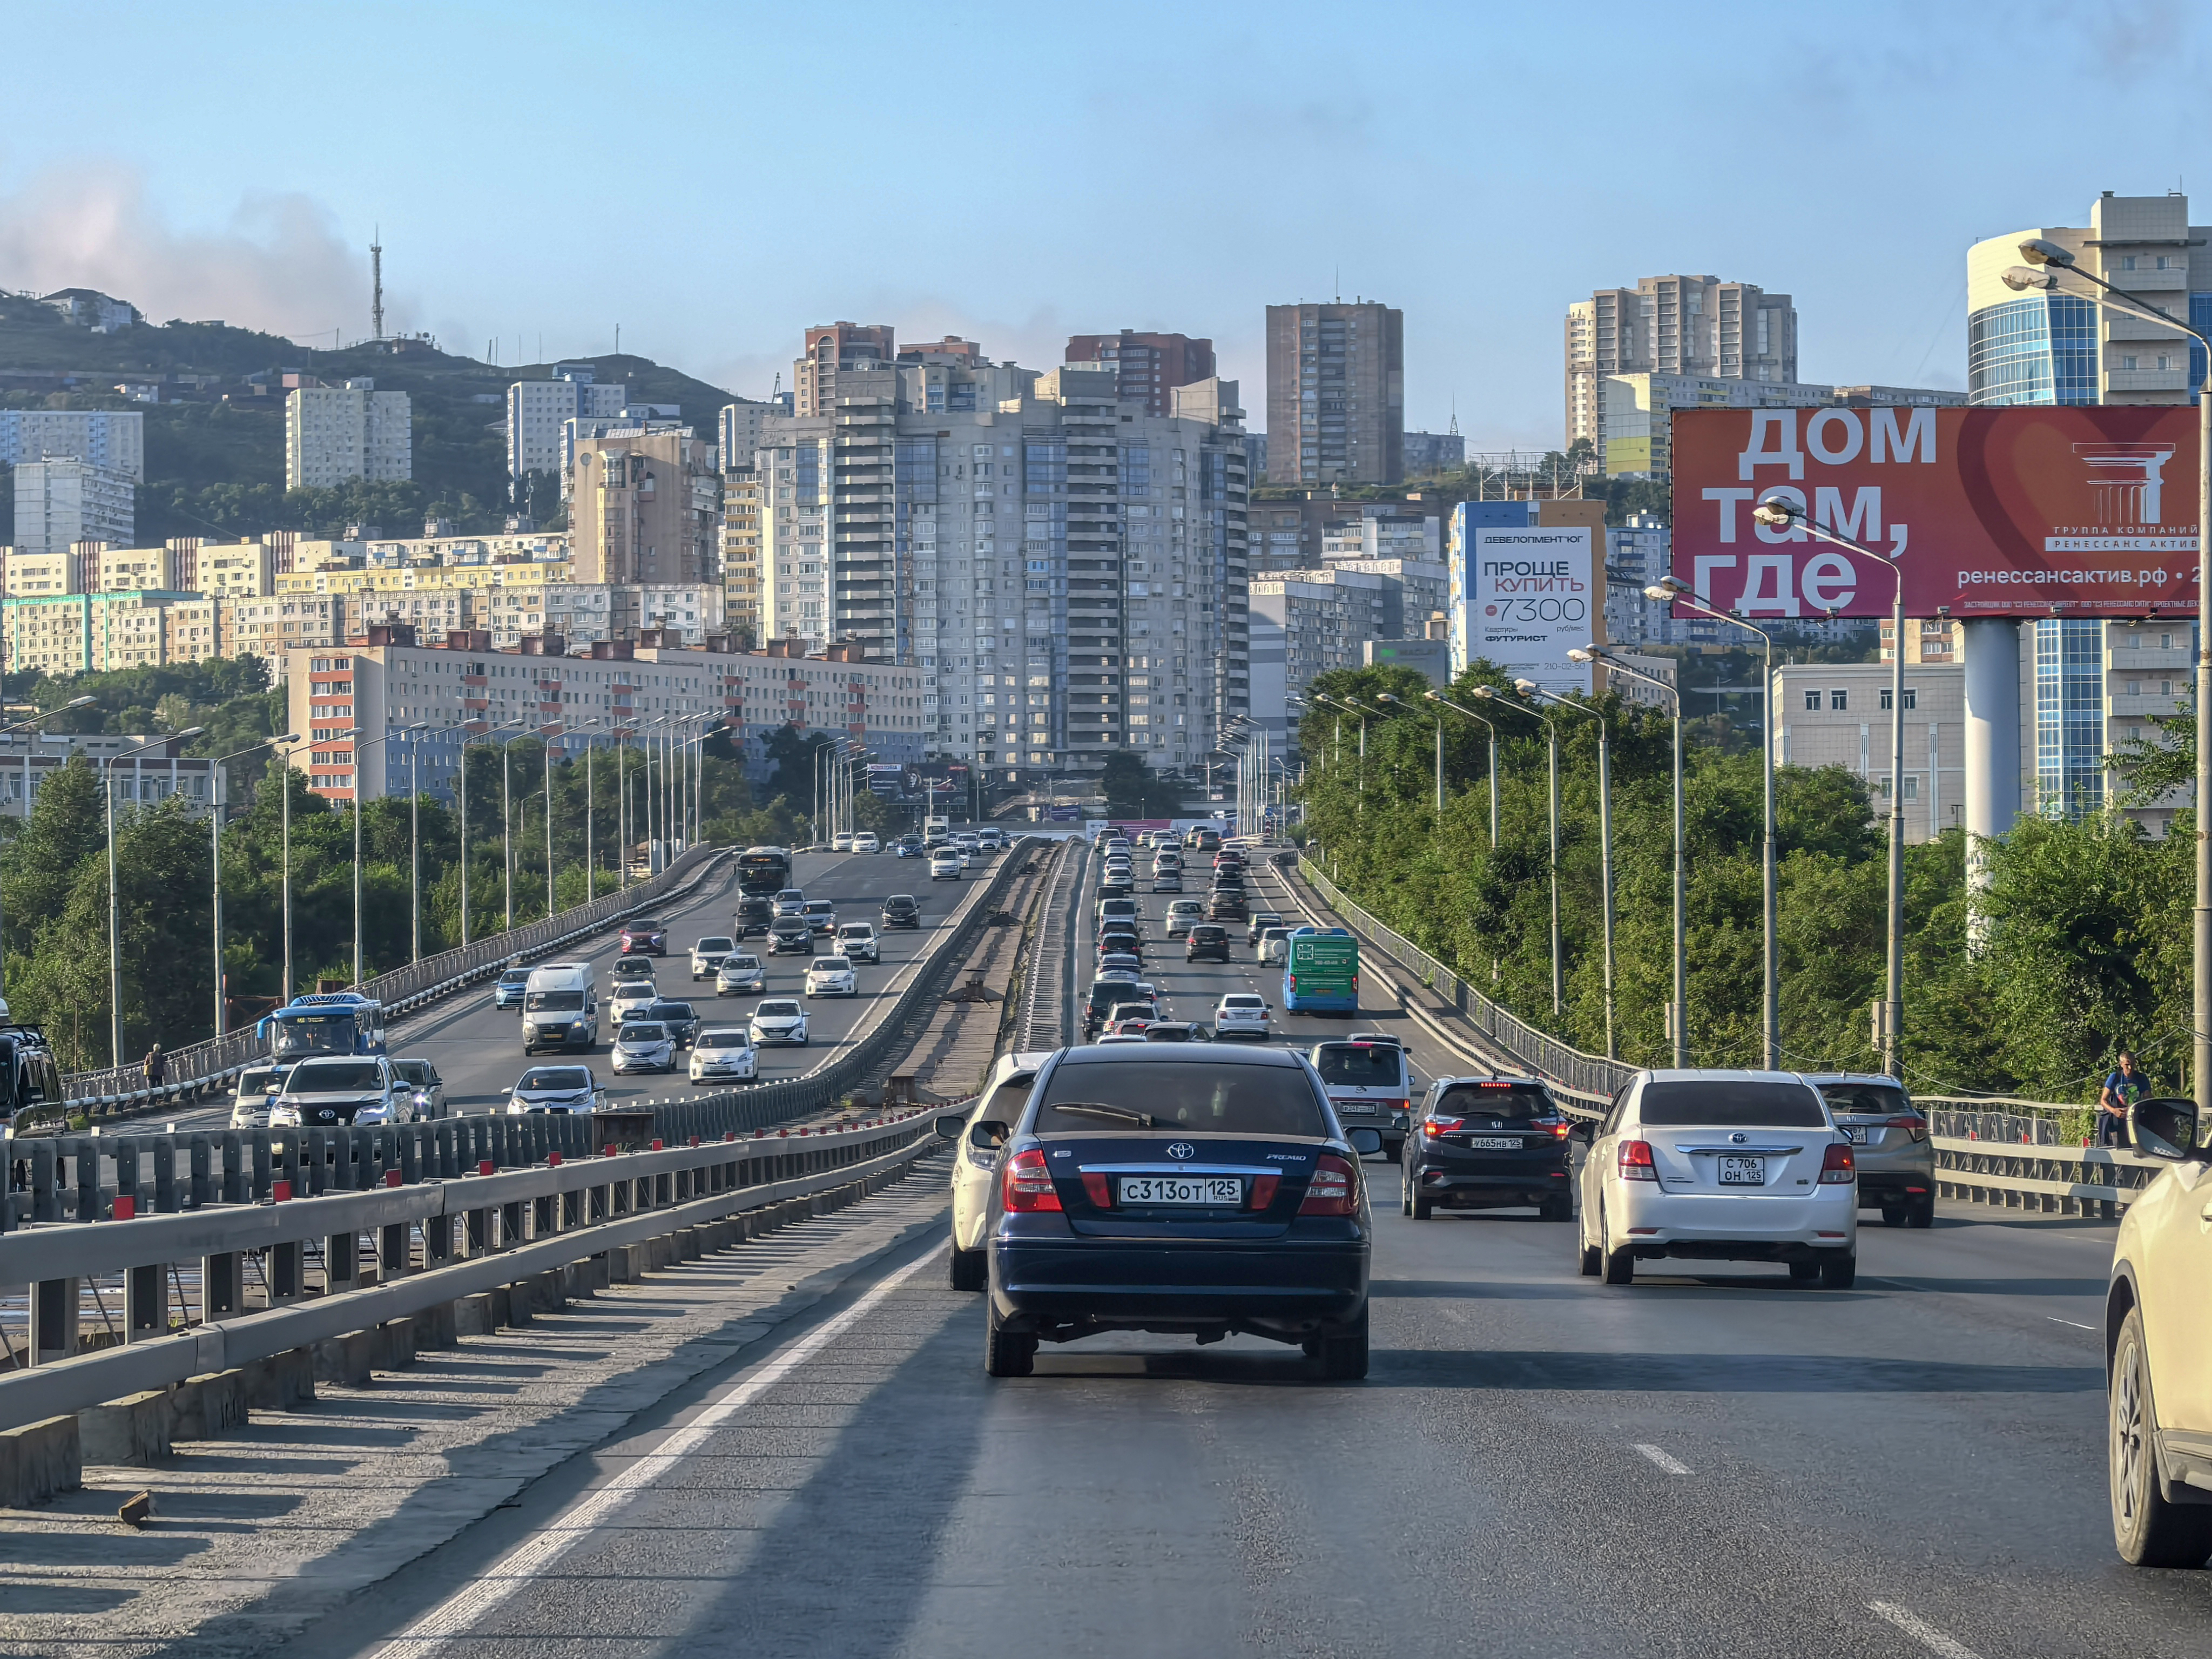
(1422, 1207)
(971, 1269)
(1007, 1353)
(1841, 1273)
(1921, 1214)
(1589, 1259)
(1561, 1208)
(1343, 1354)
(1620, 1266)
(2146, 1530)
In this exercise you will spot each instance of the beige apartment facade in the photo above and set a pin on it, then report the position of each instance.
(645, 508)
(1838, 714)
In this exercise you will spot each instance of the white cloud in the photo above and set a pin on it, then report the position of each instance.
(279, 265)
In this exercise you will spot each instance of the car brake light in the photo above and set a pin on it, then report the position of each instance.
(1443, 1126)
(1332, 1191)
(1837, 1168)
(1914, 1125)
(1636, 1161)
(1029, 1188)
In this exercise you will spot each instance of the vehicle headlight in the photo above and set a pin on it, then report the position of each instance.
(281, 1115)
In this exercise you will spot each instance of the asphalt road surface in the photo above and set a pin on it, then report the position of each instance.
(477, 1049)
(1699, 1464)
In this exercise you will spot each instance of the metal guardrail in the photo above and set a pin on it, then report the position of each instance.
(192, 1067)
(1589, 1075)
(1044, 1000)
(434, 1243)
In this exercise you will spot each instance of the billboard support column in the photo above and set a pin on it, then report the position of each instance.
(1992, 687)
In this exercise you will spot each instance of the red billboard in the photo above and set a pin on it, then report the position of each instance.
(1988, 511)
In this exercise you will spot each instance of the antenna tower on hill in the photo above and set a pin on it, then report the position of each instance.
(376, 285)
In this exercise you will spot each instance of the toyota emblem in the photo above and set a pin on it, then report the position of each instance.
(1738, 1140)
(1182, 1148)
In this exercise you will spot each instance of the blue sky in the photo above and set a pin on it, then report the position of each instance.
(714, 179)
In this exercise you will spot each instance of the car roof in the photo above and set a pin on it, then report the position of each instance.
(1851, 1077)
(1725, 1074)
(1224, 1056)
(1491, 1076)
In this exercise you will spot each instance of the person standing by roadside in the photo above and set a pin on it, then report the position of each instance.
(157, 1067)
(2122, 1090)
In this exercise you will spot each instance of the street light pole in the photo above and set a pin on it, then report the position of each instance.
(114, 900)
(2041, 257)
(215, 817)
(413, 837)
(1552, 742)
(1530, 688)
(1679, 1018)
(1785, 514)
(1668, 588)
(548, 755)
(358, 746)
(1439, 698)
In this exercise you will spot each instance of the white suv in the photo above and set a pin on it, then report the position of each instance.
(707, 953)
(1720, 1166)
(975, 1166)
(857, 940)
(2158, 1352)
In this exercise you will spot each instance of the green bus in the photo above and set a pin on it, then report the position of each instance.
(1321, 971)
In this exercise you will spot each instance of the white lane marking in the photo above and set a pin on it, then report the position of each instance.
(529, 1562)
(1671, 1465)
(1922, 1631)
(2075, 1324)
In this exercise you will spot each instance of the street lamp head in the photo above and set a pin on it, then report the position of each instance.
(2038, 251)
(1431, 696)
(1777, 514)
(1526, 687)
(1384, 696)
(77, 702)
(1484, 692)
(289, 737)
(1581, 654)
(2020, 278)
(191, 731)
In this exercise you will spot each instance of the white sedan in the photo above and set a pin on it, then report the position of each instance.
(832, 976)
(841, 842)
(866, 841)
(780, 1020)
(1241, 1014)
(723, 1053)
(644, 1045)
(1737, 1166)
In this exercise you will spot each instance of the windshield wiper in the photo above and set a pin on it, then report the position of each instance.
(1099, 1109)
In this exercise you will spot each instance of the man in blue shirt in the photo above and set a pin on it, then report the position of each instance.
(2122, 1090)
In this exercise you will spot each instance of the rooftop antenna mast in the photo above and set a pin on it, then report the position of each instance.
(376, 285)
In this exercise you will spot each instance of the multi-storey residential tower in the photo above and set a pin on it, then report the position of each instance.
(114, 439)
(1336, 393)
(645, 508)
(1694, 325)
(334, 434)
(1149, 366)
(833, 350)
(58, 503)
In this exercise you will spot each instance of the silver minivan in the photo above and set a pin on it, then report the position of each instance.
(560, 1008)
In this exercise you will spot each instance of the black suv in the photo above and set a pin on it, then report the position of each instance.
(901, 910)
(755, 912)
(34, 1103)
(1225, 904)
(788, 934)
(681, 1018)
(1488, 1143)
(1206, 942)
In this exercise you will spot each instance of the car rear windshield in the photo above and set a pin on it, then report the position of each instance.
(1109, 1098)
(1005, 1102)
(782, 1008)
(1864, 1100)
(1209, 934)
(330, 1077)
(1731, 1103)
(556, 1076)
(1364, 1064)
(1514, 1100)
(638, 1032)
(415, 1071)
(1240, 1000)
(539, 1002)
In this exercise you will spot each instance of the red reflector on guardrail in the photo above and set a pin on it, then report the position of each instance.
(695, 1140)
(392, 1177)
(126, 1207)
(553, 1158)
(280, 1192)
(608, 1150)
(486, 1167)
(657, 1146)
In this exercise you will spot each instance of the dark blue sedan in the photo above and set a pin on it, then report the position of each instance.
(1179, 1189)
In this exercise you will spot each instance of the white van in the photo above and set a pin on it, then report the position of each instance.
(560, 1008)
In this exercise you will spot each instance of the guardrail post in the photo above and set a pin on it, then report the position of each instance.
(85, 1149)
(53, 1320)
(165, 1175)
(233, 1185)
(222, 1287)
(341, 1262)
(45, 1182)
(126, 1170)
(146, 1302)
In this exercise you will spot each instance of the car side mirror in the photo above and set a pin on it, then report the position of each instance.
(1583, 1129)
(949, 1128)
(2167, 1128)
(988, 1135)
(1364, 1141)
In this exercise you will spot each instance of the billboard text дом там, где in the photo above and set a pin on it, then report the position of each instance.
(1988, 511)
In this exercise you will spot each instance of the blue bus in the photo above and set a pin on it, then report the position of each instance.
(1321, 971)
(324, 1023)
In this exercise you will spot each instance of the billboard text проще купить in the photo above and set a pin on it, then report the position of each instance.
(1988, 511)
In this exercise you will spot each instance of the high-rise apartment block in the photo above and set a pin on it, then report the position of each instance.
(1066, 567)
(1336, 393)
(739, 430)
(1148, 366)
(538, 412)
(645, 508)
(832, 351)
(1428, 453)
(61, 502)
(1698, 326)
(114, 439)
(335, 434)
(741, 552)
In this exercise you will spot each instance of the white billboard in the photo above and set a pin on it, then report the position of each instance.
(1533, 597)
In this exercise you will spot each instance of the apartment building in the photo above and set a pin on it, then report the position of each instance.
(1839, 714)
(461, 688)
(1067, 568)
(1700, 327)
(236, 570)
(539, 413)
(87, 633)
(1428, 453)
(645, 508)
(114, 438)
(741, 552)
(740, 429)
(832, 351)
(334, 434)
(191, 630)
(1304, 623)
(1298, 532)
(155, 773)
(60, 502)
(1147, 367)
(1336, 393)
(268, 628)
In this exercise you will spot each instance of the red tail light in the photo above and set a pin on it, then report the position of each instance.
(1636, 1161)
(1334, 1190)
(1443, 1126)
(1557, 1126)
(1029, 1186)
(1837, 1168)
(1913, 1126)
